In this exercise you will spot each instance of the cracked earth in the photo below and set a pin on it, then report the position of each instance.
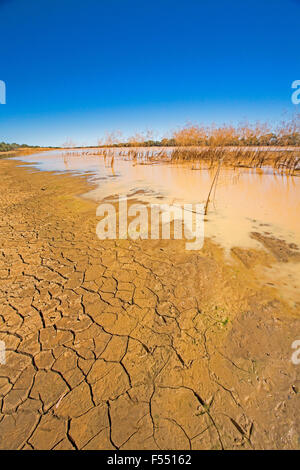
(134, 345)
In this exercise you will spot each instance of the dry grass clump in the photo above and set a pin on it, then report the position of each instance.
(287, 133)
(246, 145)
(286, 160)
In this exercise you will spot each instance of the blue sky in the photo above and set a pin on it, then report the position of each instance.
(76, 69)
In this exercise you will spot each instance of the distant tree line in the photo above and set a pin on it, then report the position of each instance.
(4, 147)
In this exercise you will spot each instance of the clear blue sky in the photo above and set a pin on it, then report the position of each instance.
(74, 69)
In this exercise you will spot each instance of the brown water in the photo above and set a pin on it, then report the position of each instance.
(245, 200)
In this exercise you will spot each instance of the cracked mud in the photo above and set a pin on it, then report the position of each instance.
(135, 345)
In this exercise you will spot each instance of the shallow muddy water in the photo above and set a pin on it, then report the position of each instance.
(245, 200)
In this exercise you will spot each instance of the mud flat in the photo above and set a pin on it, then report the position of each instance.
(138, 344)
